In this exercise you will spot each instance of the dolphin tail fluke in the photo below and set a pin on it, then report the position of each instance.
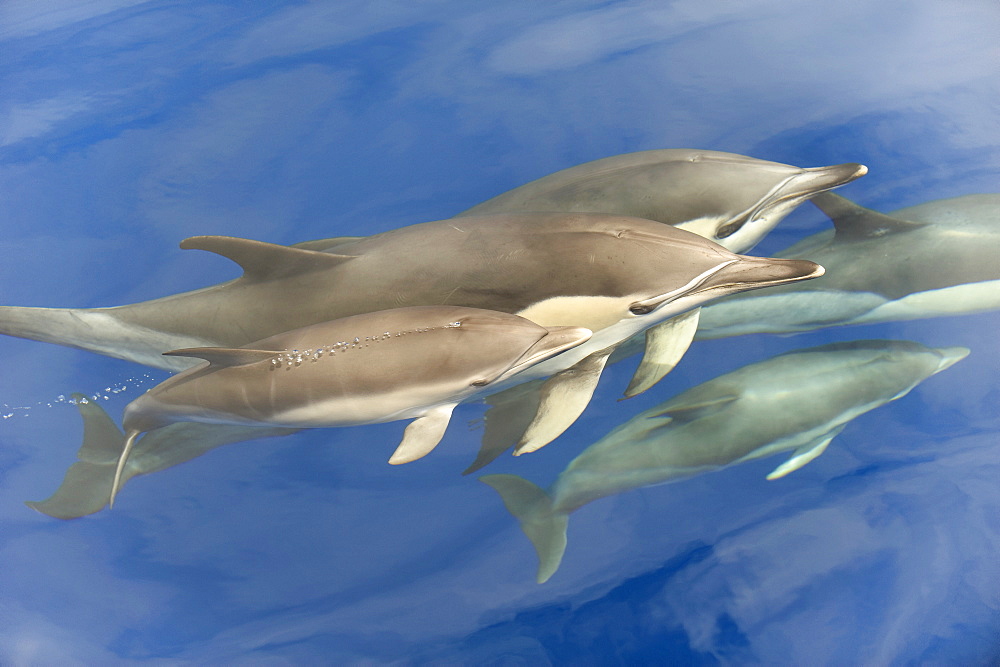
(533, 509)
(84, 489)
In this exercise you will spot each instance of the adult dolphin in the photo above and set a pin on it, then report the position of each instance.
(796, 402)
(732, 199)
(579, 269)
(930, 260)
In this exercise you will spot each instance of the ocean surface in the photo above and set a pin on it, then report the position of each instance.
(127, 126)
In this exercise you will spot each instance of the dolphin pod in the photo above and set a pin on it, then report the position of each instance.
(796, 402)
(613, 275)
(931, 260)
(731, 199)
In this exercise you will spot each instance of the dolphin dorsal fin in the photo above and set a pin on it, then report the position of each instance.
(857, 222)
(265, 261)
(225, 356)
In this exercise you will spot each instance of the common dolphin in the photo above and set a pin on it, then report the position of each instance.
(583, 269)
(405, 363)
(930, 260)
(798, 401)
(734, 200)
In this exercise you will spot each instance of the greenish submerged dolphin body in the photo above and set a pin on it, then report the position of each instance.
(931, 260)
(796, 402)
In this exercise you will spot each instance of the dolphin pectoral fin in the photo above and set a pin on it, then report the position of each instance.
(804, 454)
(563, 398)
(423, 434)
(225, 356)
(508, 417)
(265, 261)
(533, 509)
(120, 468)
(666, 343)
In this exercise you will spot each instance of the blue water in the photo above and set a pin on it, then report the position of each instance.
(126, 126)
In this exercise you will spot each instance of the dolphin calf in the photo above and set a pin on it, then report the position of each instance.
(734, 200)
(796, 402)
(931, 260)
(405, 363)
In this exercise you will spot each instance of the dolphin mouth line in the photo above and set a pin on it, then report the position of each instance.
(647, 306)
(776, 196)
(819, 271)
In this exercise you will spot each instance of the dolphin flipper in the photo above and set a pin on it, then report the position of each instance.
(805, 454)
(511, 412)
(666, 343)
(423, 434)
(563, 398)
(532, 507)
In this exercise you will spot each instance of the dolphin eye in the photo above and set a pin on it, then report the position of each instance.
(640, 309)
(728, 230)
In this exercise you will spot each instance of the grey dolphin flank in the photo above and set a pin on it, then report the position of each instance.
(931, 260)
(406, 363)
(797, 402)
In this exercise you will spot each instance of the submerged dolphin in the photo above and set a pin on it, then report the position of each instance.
(931, 260)
(798, 402)
(405, 363)
(731, 199)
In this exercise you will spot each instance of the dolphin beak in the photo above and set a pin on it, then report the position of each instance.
(738, 275)
(814, 180)
(950, 356)
(755, 272)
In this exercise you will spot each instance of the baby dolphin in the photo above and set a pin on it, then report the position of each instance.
(797, 402)
(406, 363)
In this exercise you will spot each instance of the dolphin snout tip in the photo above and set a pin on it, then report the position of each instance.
(951, 356)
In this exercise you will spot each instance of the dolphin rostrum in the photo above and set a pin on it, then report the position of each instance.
(405, 363)
(798, 402)
(734, 200)
(931, 260)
